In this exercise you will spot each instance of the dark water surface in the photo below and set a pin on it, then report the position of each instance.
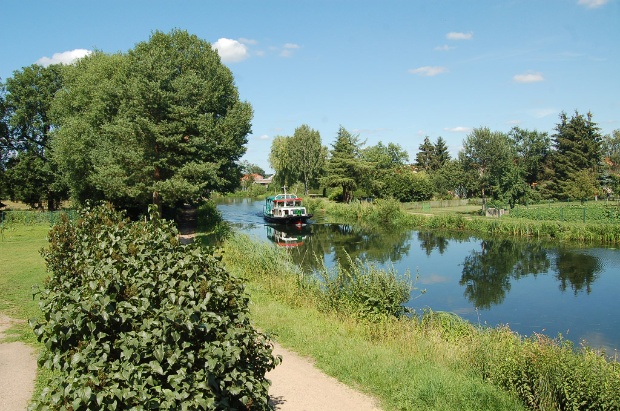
(533, 287)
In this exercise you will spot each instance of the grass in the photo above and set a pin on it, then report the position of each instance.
(405, 366)
(402, 377)
(431, 361)
(22, 268)
(439, 363)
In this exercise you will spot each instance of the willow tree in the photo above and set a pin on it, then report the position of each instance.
(308, 155)
(161, 123)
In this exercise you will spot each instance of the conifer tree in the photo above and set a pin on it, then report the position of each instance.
(578, 147)
(345, 167)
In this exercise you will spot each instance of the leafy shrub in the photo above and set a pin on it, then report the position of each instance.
(132, 319)
(365, 290)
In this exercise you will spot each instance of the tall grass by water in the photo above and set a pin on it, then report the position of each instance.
(424, 361)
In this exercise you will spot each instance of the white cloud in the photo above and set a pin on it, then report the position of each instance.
(543, 112)
(428, 71)
(66, 57)
(453, 35)
(231, 51)
(592, 4)
(288, 50)
(459, 129)
(529, 78)
(445, 47)
(263, 137)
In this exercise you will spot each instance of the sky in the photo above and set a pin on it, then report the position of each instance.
(389, 71)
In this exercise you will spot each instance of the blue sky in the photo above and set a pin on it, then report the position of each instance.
(390, 71)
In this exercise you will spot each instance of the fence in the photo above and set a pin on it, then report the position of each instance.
(427, 205)
(590, 213)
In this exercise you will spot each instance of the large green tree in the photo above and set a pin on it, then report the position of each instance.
(4, 140)
(161, 123)
(440, 154)
(425, 155)
(381, 160)
(31, 172)
(307, 155)
(611, 163)
(489, 155)
(345, 167)
(280, 161)
(578, 147)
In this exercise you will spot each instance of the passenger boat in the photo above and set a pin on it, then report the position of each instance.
(285, 209)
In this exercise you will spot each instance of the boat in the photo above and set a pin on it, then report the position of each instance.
(285, 208)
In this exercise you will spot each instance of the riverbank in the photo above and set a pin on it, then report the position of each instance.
(430, 361)
(391, 212)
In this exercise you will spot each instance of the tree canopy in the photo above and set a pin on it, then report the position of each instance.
(161, 123)
(578, 147)
(31, 174)
(345, 166)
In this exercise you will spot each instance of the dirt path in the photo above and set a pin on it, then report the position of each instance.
(18, 369)
(296, 384)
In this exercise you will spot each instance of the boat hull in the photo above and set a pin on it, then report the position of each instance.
(290, 219)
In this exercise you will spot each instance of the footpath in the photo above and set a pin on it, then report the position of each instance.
(296, 384)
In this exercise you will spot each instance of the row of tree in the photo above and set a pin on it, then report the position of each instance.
(162, 123)
(575, 163)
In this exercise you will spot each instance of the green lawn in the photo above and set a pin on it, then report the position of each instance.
(21, 268)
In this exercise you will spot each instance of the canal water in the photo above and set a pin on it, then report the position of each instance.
(531, 286)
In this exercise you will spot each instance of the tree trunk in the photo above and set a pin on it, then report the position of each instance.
(157, 200)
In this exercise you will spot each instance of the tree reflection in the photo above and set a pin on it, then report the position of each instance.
(343, 243)
(486, 273)
(577, 269)
(439, 240)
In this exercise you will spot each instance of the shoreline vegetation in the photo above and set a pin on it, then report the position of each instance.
(351, 322)
(391, 213)
(427, 360)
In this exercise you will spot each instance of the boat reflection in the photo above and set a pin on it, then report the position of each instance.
(288, 235)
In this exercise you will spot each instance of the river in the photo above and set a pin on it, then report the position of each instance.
(531, 286)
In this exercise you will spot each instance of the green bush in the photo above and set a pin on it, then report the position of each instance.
(365, 291)
(132, 319)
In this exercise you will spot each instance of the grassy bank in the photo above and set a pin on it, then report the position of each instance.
(427, 361)
(388, 212)
(433, 361)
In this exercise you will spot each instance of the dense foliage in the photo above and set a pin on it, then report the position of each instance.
(298, 158)
(31, 174)
(162, 123)
(132, 319)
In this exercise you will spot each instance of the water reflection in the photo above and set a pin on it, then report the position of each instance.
(288, 235)
(343, 243)
(532, 286)
(487, 272)
(576, 270)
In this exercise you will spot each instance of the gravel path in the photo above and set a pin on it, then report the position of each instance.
(18, 369)
(296, 384)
